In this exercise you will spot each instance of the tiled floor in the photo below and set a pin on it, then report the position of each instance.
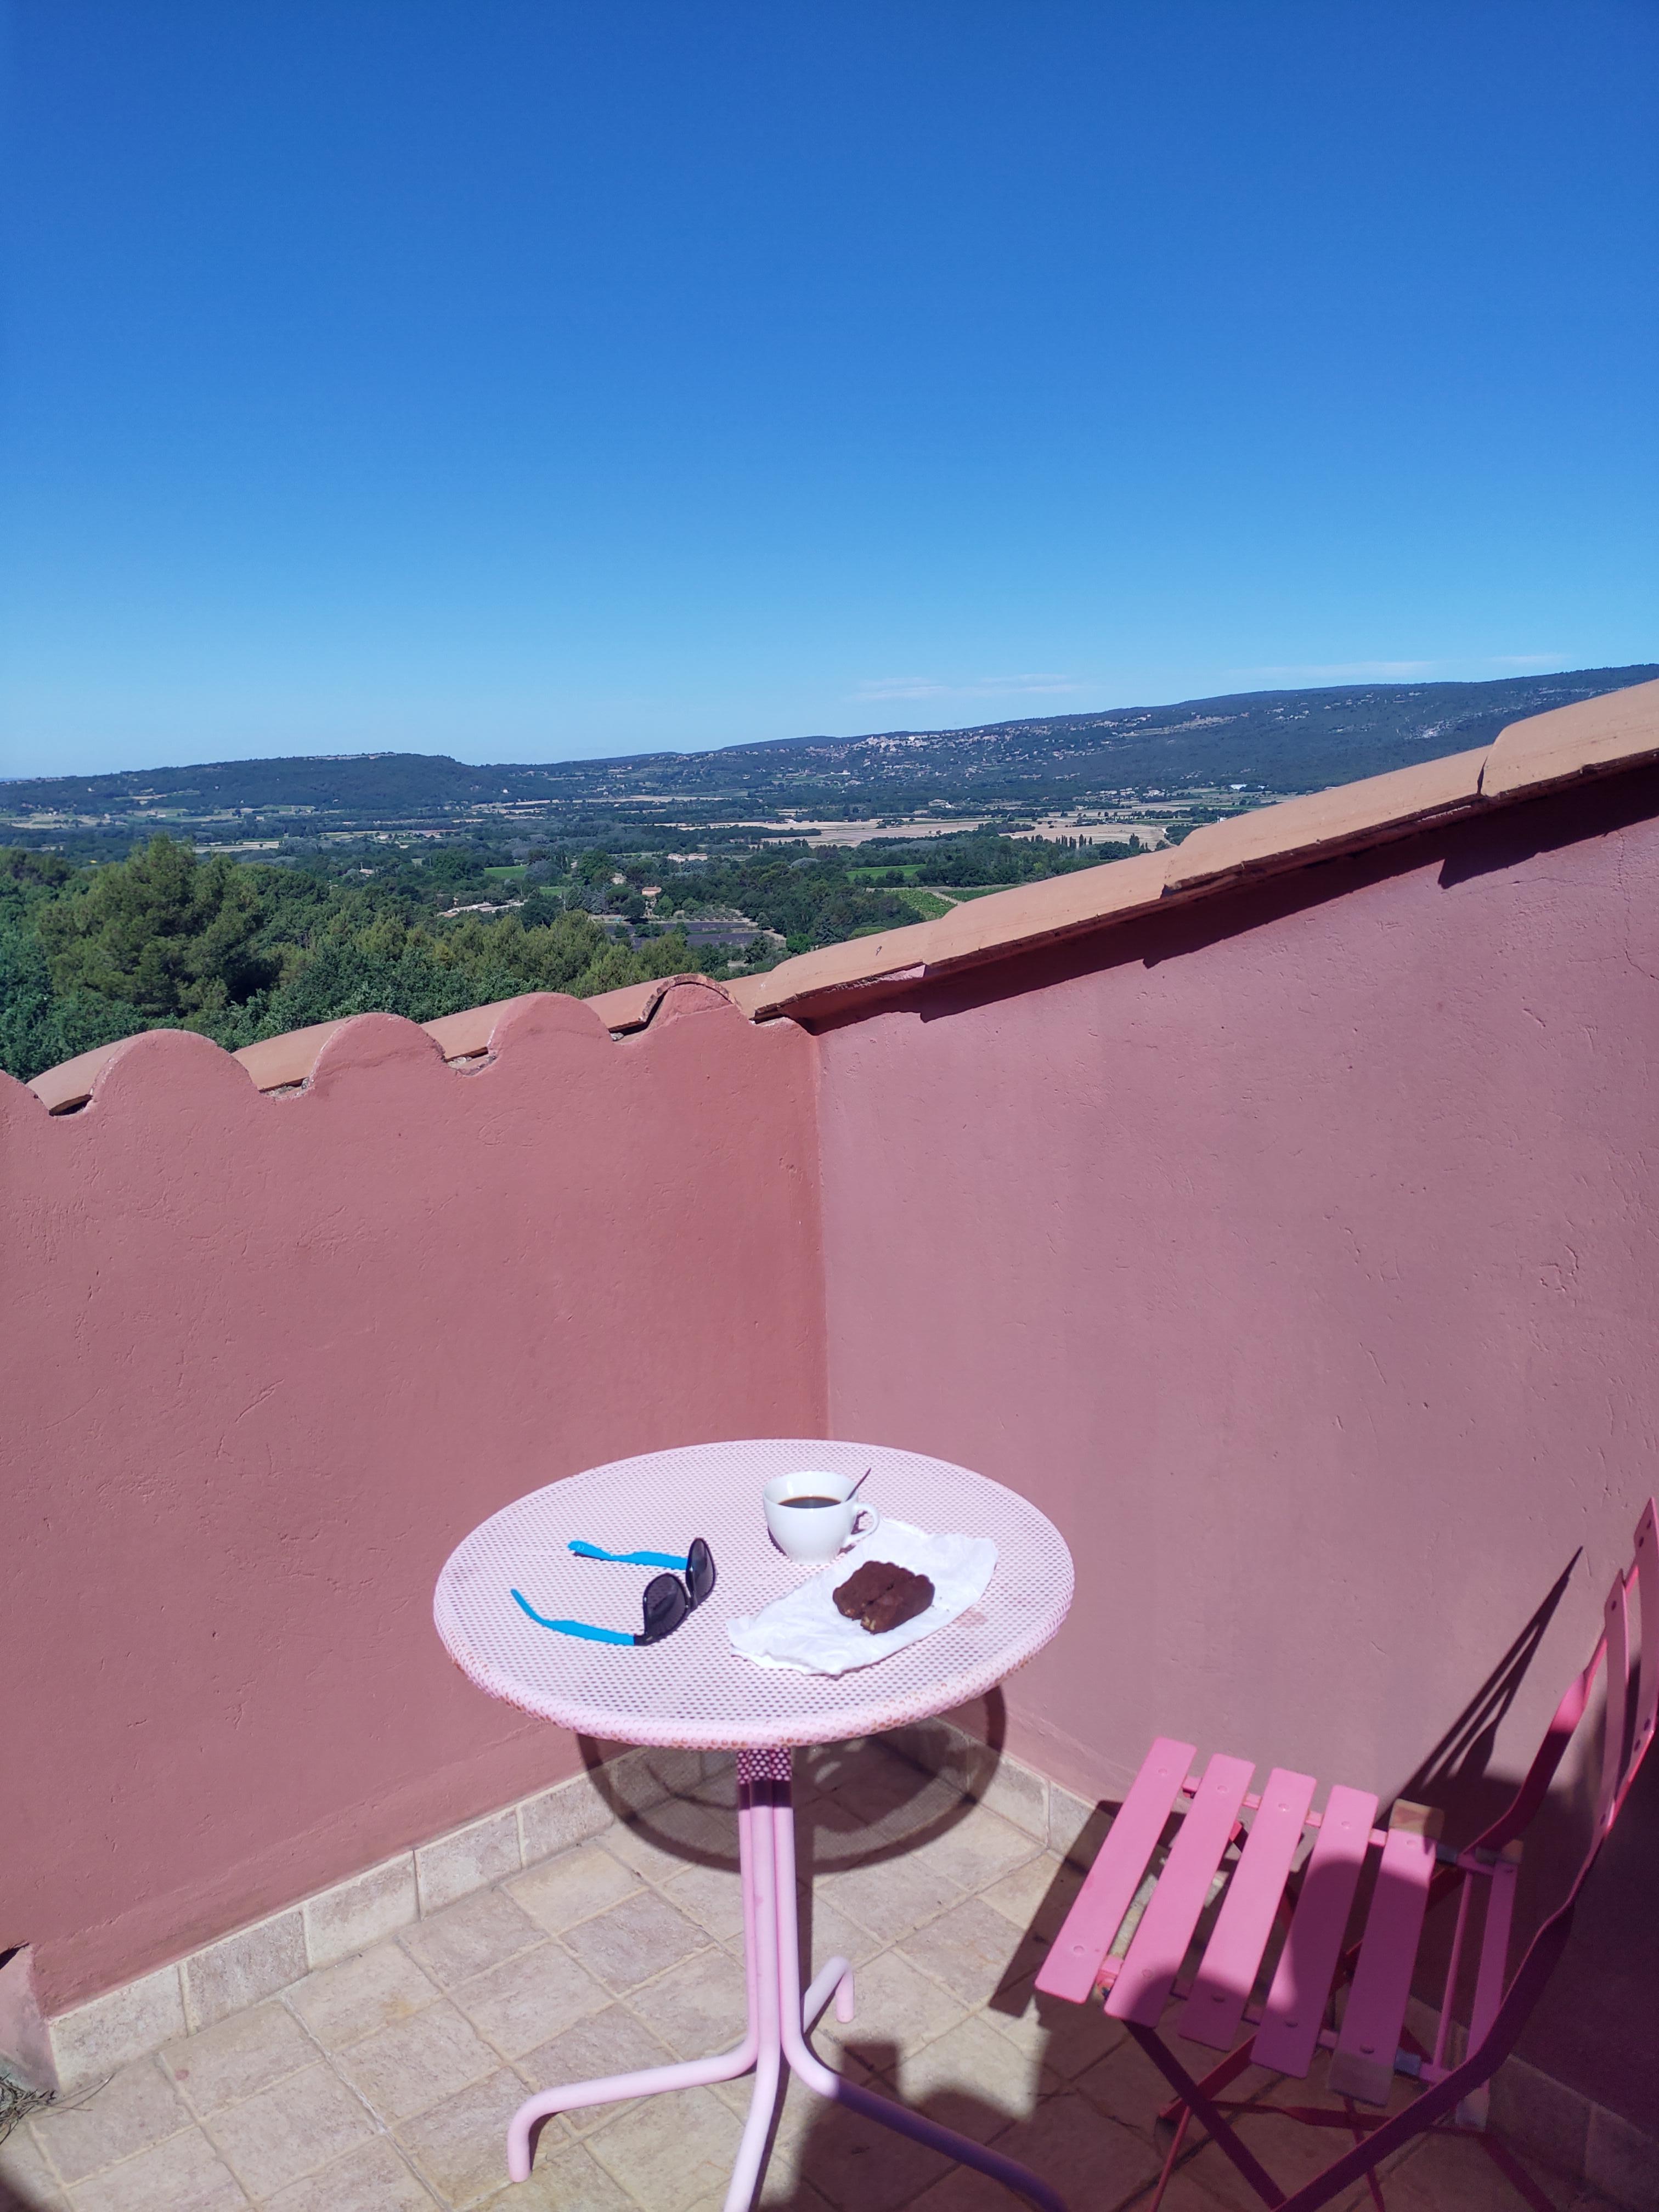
(384, 2084)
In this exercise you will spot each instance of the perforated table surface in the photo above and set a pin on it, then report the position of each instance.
(692, 1688)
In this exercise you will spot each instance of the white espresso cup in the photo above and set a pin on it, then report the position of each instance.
(811, 1517)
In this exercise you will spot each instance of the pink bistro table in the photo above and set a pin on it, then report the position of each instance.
(692, 1690)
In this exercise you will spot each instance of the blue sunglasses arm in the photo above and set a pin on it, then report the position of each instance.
(629, 1558)
(573, 1627)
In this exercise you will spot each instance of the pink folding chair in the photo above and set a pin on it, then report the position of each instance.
(1263, 1880)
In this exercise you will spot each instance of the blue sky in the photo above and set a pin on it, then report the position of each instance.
(529, 380)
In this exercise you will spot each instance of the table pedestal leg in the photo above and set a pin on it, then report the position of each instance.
(779, 2017)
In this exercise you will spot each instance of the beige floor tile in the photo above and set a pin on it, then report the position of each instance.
(1456, 2170)
(842, 1828)
(978, 1850)
(641, 1937)
(469, 1938)
(650, 1852)
(973, 2079)
(27, 2181)
(365, 2179)
(340, 2005)
(719, 1785)
(801, 2125)
(184, 2174)
(854, 2161)
(1122, 2082)
(370, 2178)
(697, 2008)
(529, 1999)
(783, 2190)
(694, 1829)
(460, 2146)
(1037, 1896)
(896, 2006)
(1069, 2038)
(614, 2041)
(409, 2068)
(289, 2131)
(827, 1933)
(573, 1886)
(1292, 2155)
(713, 1897)
(135, 2107)
(1186, 2192)
(238, 2056)
(567, 2179)
(890, 1897)
(971, 1948)
(1091, 2161)
(669, 2151)
(834, 1833)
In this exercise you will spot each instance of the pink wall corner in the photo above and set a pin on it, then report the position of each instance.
(268, 1359)
(1299, 1253)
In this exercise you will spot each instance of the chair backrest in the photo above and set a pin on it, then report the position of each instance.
(1632, 1702)
(1631, 1713)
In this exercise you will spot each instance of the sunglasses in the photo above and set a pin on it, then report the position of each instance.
(668, 1597)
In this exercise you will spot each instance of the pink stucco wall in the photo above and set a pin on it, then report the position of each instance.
(1297, 1252)
(267, 1359)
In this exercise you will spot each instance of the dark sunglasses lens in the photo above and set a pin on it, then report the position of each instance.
(666, 1606)
(699, 1570)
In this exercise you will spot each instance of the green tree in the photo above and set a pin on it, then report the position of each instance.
(163, 933)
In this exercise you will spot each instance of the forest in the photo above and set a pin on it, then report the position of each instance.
(238, 950)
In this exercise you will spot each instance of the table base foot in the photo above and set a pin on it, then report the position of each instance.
(780, 2020)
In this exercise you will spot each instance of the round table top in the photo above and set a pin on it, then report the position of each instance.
(692, 1688)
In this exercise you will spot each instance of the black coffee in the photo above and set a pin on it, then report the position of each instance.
(815, 1501)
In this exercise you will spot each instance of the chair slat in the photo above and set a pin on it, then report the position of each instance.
(1154, 1959)
(1215, 2010)
(1363, 2064)
(1289, 2033)
(1647, 1581)
(1076, 1955)
(1615, 1626)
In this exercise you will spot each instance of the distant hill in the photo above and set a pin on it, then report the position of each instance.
(1281, 741)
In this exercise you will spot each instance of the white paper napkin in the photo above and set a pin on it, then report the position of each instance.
(803, 1629)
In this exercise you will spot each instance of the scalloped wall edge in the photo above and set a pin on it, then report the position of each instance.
(1528, 759)
(287, 1062)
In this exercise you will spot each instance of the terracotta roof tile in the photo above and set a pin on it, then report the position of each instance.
(860, 965)
(1035, 914)
(1591, 738)
(69, 1083)
(274, 1062)
(1298, 830)
(632, 1007)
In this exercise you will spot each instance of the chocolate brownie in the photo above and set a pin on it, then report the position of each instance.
(880, 1596)
(863, 1584)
